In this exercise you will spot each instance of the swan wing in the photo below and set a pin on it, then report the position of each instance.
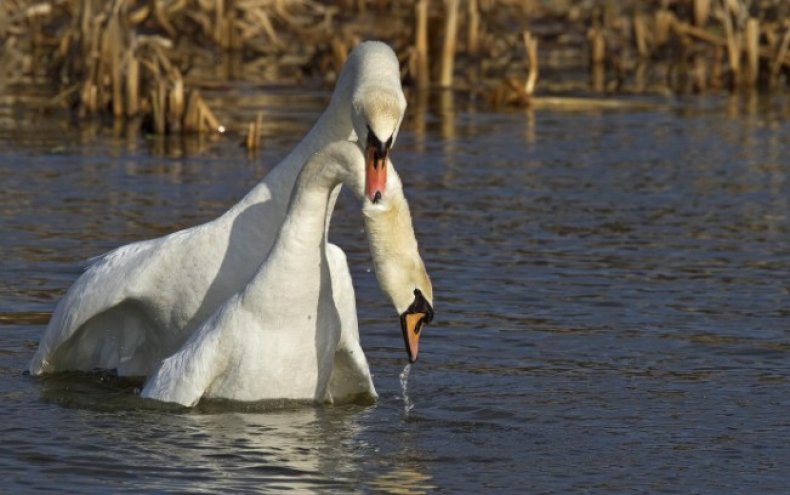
(110, 318)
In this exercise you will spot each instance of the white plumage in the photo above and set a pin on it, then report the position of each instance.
(141, 302)
(291, 332)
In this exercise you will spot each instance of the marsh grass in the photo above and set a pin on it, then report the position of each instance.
(147, 60)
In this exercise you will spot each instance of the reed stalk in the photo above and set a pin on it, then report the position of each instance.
(640, 35)
(597, 45)
(700, 77)
(423, 75)
(112, 56)
(733, 44)
(132, 84)
(781, 57)
(175, 100)
(664, 20)
(448, 47)
(701, 12)
(473, 27)
(531, 45)
(253, 138)
(158, 107)
(752, 45)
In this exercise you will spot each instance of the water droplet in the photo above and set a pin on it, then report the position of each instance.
(408, 405)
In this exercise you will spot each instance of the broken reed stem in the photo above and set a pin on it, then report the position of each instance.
(703, 35)
(597, 46)
(531, 44)
(448, 48)
(258, 128)
(733, 45)
(701, 12)
(158, 107)
(473, 27)
(132, 84)
(249, 141)
(117, 86)
(253, 140)
(640, 35)
(664, 21)
(597, 57)
(206, 121)
(86, 21)
(175, 107)
(421, 44)
(752, 45)
(781, 55)
(219, 23)
(192, 116)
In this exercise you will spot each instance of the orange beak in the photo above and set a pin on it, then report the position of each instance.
(375, 173)
(412, 320)
(411, 324)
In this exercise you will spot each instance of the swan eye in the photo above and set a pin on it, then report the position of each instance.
(373, 140)
(375, 143)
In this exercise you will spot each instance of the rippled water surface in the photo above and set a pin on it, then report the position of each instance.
(611, 294)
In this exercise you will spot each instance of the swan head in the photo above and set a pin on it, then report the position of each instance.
(419, 312)
(399, 267)
(380, 113)
(372, 73)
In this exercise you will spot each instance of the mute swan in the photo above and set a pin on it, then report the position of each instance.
(280, 337)
(140, 302)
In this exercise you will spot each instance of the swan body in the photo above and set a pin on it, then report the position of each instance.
(291, 332)
(139, 303)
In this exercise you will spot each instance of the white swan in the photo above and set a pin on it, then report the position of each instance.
(139, 303)
(286, 334)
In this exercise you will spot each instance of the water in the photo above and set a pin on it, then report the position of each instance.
(611, 307)
(408, 405)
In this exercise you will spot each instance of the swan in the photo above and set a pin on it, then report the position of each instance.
(283, 335)
(137, 304)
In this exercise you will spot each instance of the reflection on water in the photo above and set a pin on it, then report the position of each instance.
(611, 296)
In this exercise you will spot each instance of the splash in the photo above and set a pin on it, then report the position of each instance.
(408, 405)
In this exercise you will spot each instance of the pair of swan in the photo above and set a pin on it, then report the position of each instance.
(256, 304)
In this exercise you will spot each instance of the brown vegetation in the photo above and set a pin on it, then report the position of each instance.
(131, 58)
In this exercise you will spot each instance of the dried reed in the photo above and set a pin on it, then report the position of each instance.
(448, 47)
(129, 58)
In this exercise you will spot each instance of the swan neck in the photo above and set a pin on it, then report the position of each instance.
(334, 124)
(303, 231)
(393, 247)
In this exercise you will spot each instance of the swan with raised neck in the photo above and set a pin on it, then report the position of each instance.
(281, 336)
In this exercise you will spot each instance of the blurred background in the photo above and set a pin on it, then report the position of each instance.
(148, 60)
